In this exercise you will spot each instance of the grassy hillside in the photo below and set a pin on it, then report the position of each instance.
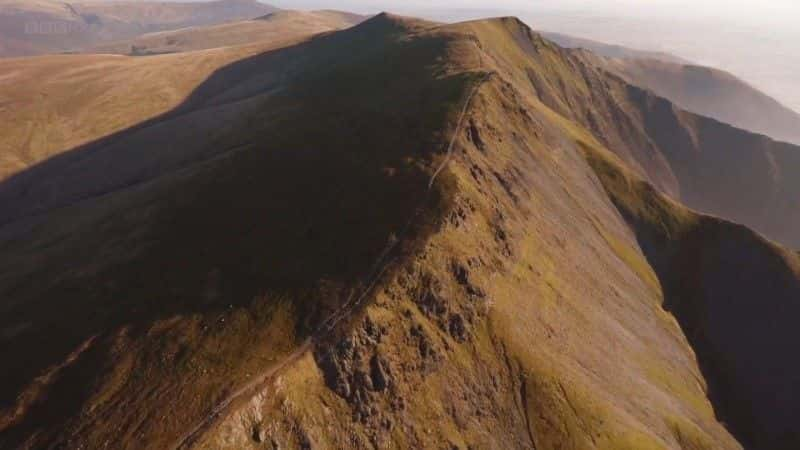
(735, 295)
(45, 26)
(702, 90)
(486, 336)
(198, 277)
(388, 236)
(278, 26)
(696, 160)
(52, 104)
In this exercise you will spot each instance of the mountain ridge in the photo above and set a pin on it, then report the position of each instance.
(703, 90)
(524, 307)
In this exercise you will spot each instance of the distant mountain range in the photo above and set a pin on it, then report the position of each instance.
(610, 50)
(311, 230)
(30, 27)
(704, 90)
(33, 27)
(281, 25)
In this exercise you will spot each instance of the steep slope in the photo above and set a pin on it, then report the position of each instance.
(524, 197)
(426, 257)
(51, 104)
(713, 93)
(193, 297)
(702, 90)
(697, 160)
(283, 25)
(44, 26)
(711, 160)
(707, 266)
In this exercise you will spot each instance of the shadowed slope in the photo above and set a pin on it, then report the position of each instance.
(697, 160)
(195, 278)
(504, 304)
(702, 90)
(51, 104)
(713, 93)
(736, 296)
(512, 326)
(726, 171)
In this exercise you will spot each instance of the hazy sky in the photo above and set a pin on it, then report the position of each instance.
(781, 10)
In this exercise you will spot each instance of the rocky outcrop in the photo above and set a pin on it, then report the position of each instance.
(424, 258)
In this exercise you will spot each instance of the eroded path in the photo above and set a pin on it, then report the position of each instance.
(264, 379)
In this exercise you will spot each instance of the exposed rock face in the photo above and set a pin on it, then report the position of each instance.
(445, 254)
(492, 338)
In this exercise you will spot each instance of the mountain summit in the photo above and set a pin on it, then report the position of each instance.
(408, 235)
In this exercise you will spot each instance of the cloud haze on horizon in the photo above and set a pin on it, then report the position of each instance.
(745, 9)
(756, 41)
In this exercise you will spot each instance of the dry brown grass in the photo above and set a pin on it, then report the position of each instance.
(48, 27)
(720, 279)
(552, 323)
(52, 104)
(519, 308)
(283, 26)
(176, 322)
